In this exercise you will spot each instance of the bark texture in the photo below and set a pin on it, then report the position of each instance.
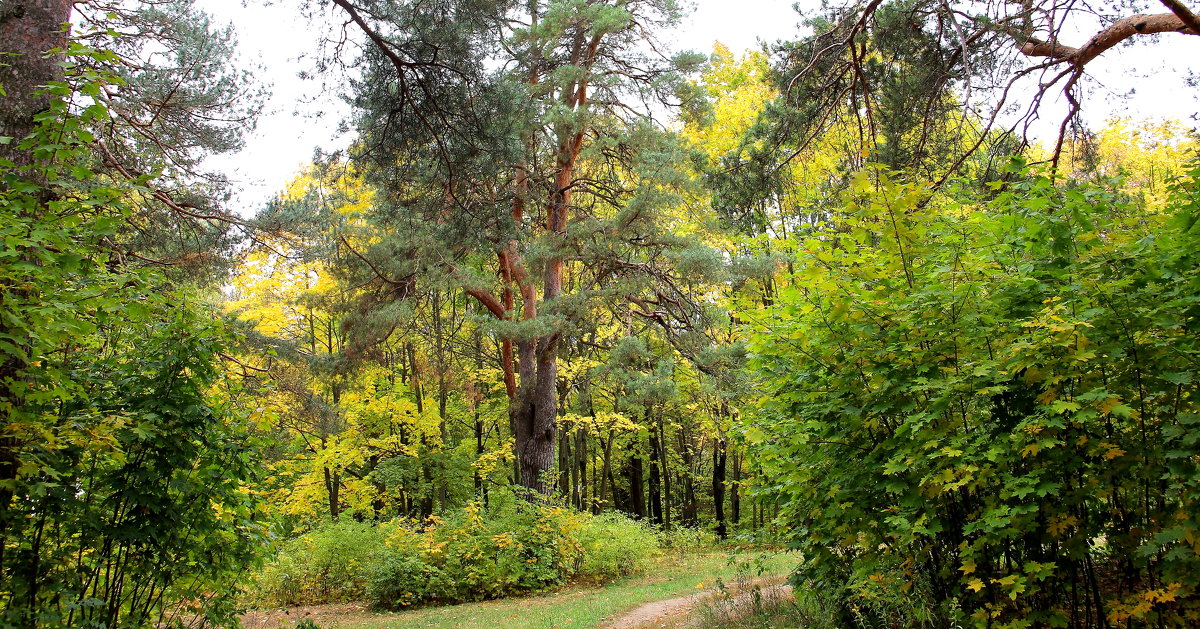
(28, 29)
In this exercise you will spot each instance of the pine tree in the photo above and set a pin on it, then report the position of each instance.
(518, 138)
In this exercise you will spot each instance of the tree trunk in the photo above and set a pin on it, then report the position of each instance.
(637, 492)
(718, 486)
(534, 413)
(333, 483)
(443, 487)
(606, 484)
(28, 28)
(426, 472)
(688, 515)
(735, 494)
(656, 510)
(480, 487)
(666, 471)
(564, 464)
(580, 475)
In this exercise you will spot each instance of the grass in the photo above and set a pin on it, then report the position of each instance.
(766, 611)
(574, 607)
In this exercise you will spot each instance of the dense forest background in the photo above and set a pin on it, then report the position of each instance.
(570, 297)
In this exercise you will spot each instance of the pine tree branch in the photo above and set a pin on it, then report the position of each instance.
(488, 300)
(1118, 32)
(1184, 14)
(406, 283)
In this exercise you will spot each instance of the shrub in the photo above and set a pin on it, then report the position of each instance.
(333, 563)
(400, 580)
(686, 538)
(526, 549)
(614, 546)
(992, 407)
(470, 555)
(516, 549)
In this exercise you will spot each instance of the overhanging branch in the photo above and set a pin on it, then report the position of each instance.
(1184, 14)
(1118, 32)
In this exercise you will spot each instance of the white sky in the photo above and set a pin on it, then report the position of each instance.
(276, 37)
(300, 116)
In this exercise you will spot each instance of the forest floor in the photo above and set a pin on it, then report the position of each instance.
(667, 595)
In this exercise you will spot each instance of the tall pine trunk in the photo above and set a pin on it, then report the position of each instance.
(533, 413)
(28, 29)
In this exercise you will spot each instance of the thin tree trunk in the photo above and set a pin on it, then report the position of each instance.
(718, 486)
(439, 344)
(655, 481)
(581, 462)
(333, 483)
(564, 464)
(688, 515)
(637, 491)
(426, 472)
(606, 484)
(735, 490)
(480, 489)
(666, 470)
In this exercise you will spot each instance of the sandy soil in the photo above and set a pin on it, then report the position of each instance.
(322, 615)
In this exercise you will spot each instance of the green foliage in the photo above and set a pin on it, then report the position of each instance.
(122, 498)
(330, 564)
(183, 97)
(615, 546)
(483, 555)
(472, 554)
(990, 405)
(686, 538)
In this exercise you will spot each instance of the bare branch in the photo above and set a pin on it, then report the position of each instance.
(1184, 14)
(1118, 32)
(405, 283)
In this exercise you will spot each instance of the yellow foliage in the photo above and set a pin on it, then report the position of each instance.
(1147, 154)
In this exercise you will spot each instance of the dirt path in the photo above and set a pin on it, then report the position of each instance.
(322, 615)
(678, 613)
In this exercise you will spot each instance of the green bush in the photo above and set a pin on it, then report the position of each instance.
(990, 408)
(490, 555)
(686, 538)
(402, 580)
(614, 546)
(469, 555)
(333, 563)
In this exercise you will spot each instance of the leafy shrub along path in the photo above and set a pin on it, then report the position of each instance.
(668, 577)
